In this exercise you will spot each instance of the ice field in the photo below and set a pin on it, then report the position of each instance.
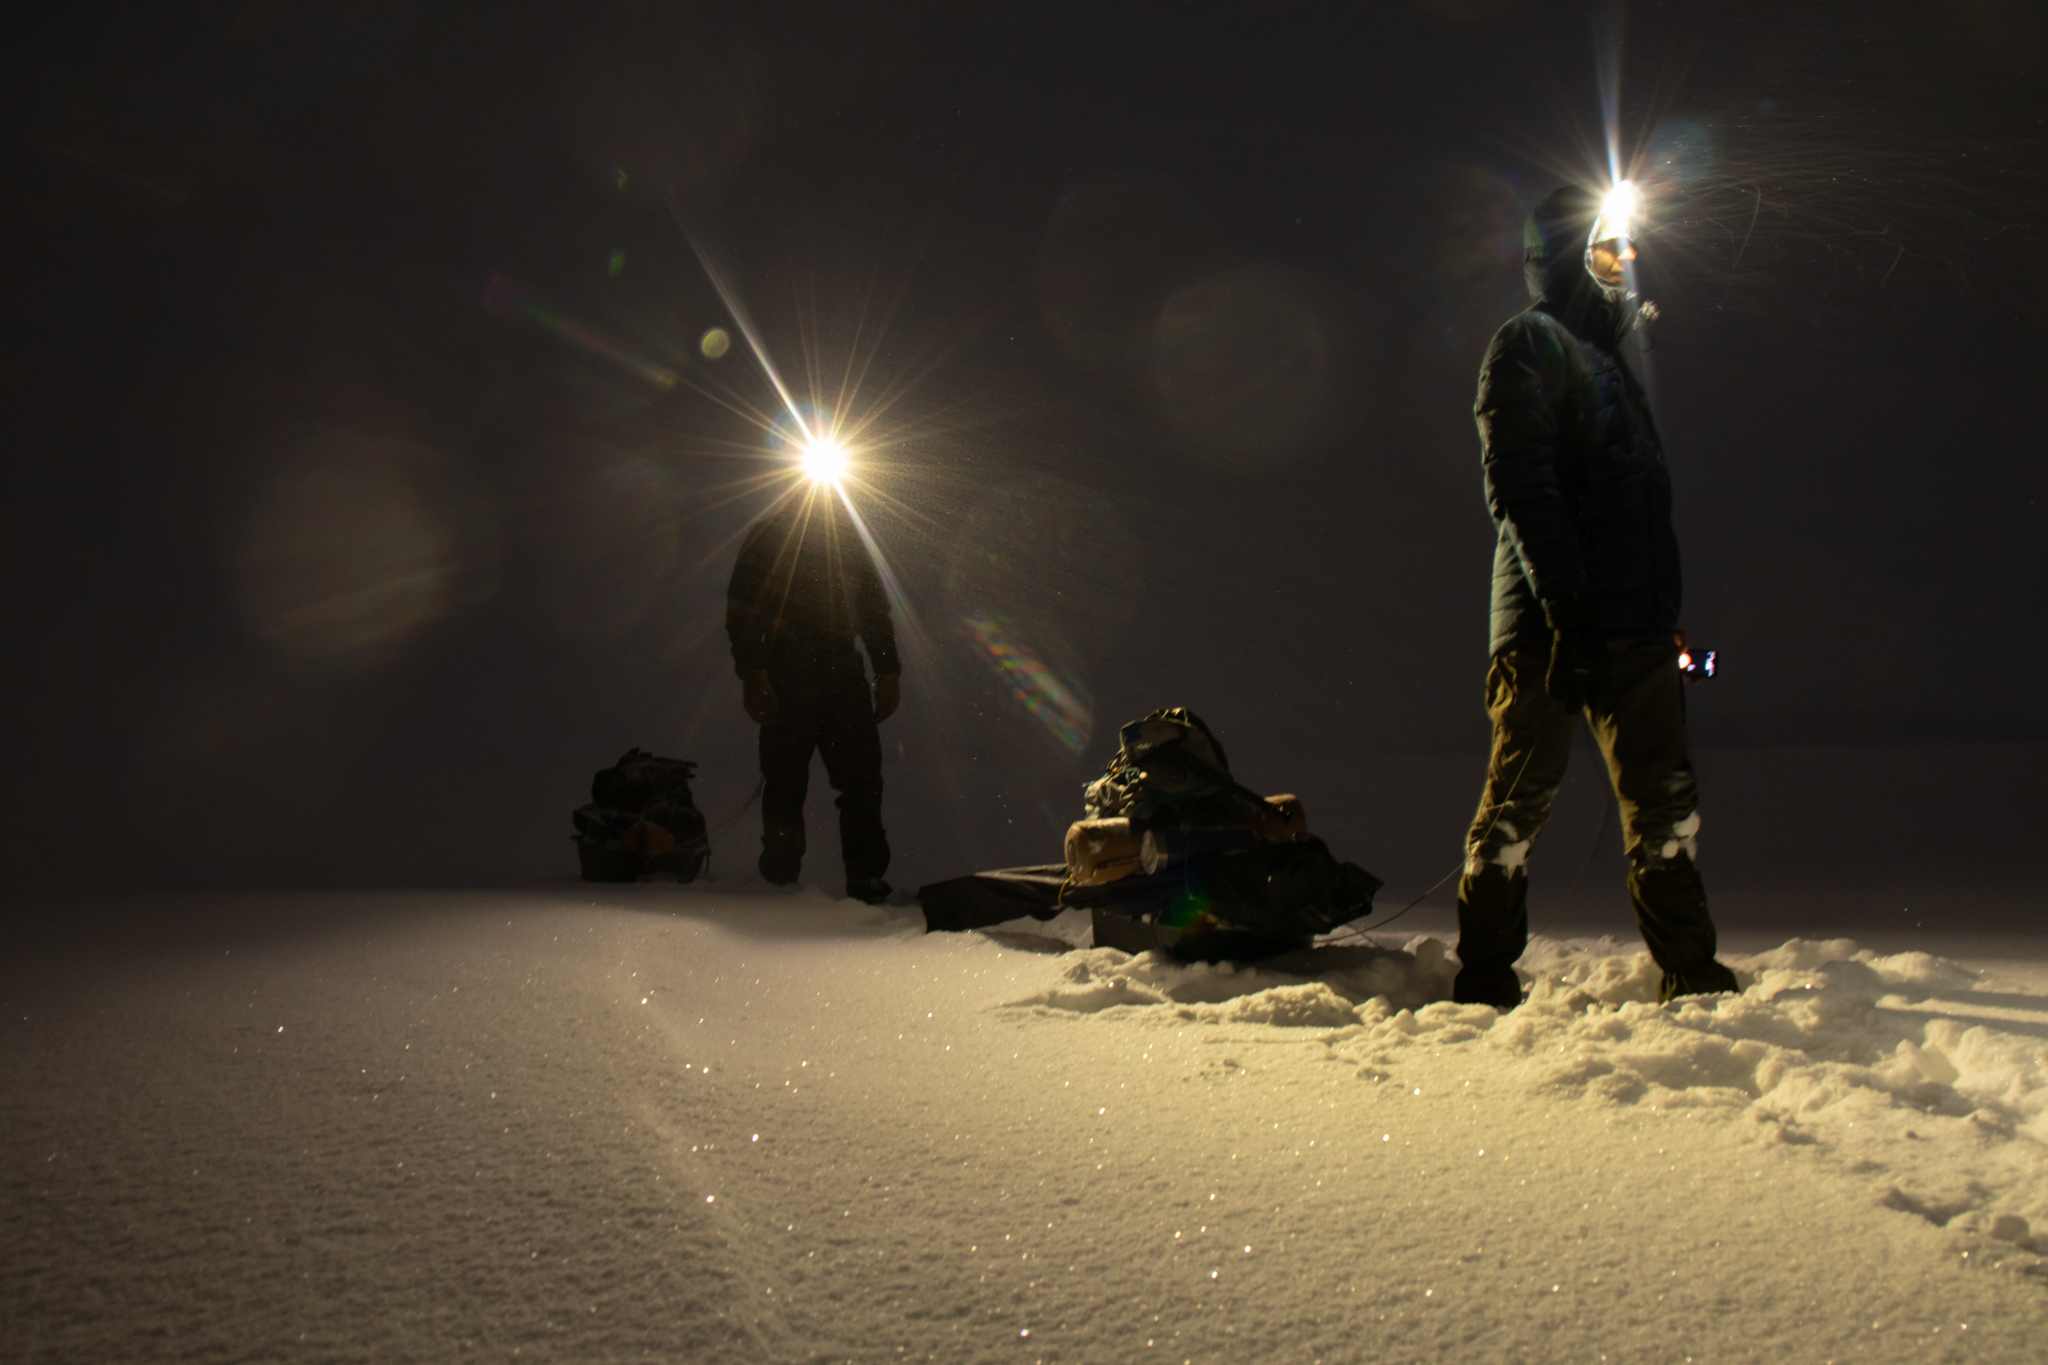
(690, 1124)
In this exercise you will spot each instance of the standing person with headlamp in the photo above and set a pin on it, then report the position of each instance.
(1585, 605)
(804, 589)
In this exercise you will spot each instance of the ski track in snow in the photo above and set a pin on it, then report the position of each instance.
(684, 1124)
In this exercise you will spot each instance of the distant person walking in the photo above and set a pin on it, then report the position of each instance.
(1585, 607)
(803, 590)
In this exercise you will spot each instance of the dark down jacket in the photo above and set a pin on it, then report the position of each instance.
(803, 589)
(1575, 475)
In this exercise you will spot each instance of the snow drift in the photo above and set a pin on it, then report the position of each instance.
(1950, 1082)
(675, 1123)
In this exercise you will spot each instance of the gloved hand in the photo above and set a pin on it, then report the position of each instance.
(758, 696)
(1578, 654)
(888, 695)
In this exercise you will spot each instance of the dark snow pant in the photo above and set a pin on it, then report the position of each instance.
(827, 710)
(1638, 720)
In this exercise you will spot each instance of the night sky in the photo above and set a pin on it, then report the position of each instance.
(351, 519)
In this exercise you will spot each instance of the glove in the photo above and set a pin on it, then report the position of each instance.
(758, 696)
(1578, 654)
(888, 695)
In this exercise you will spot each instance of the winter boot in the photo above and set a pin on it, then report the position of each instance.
(1671, 909)
(1709, 978)
(1481, 983)
(873, 890)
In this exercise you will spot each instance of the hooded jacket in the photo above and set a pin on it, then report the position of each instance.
(1574, 473)
(804, 588)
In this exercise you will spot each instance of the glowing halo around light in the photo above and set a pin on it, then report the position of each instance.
(1618, 212)
(823, 460)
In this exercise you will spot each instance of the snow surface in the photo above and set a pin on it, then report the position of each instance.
(684, 1124)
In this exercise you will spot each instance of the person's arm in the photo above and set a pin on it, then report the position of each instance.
(878, 633)
(871, 618)
(744, 599)
(744, 628)
(1521, 384)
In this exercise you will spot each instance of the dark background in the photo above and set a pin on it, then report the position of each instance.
(327, 565)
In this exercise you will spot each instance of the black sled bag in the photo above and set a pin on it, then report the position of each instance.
(641, 821)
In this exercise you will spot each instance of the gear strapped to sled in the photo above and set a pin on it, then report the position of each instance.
(1175, 853)
(1169, 761)
(641, 821)
(1169, 773)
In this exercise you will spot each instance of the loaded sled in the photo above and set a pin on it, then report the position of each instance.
(641, 822)
(1174, 853)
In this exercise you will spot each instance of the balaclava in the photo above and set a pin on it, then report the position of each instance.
(1554, 265)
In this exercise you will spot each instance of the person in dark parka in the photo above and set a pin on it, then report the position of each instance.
(1585, 610)
(803, 591)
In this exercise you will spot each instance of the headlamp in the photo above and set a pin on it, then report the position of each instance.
(824, 460)
(1618, 212)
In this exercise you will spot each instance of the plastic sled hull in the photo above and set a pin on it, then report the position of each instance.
(1114, 930)
(602, 863)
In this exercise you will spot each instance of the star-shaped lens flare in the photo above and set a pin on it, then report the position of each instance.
(824, 460)
(1617, 220)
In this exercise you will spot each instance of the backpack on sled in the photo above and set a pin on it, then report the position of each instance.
(641, 822)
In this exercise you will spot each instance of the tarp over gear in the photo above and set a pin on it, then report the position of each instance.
(1174, 853)
(641, 821)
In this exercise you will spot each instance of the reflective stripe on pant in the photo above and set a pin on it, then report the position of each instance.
(1637, 719)
(832, 714)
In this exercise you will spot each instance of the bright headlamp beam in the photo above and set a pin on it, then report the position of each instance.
(1617, 220)
(824, 460)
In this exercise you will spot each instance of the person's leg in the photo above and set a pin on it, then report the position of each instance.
(786, 748)
(1639, 723)
(850, 742)
(1532, 736)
